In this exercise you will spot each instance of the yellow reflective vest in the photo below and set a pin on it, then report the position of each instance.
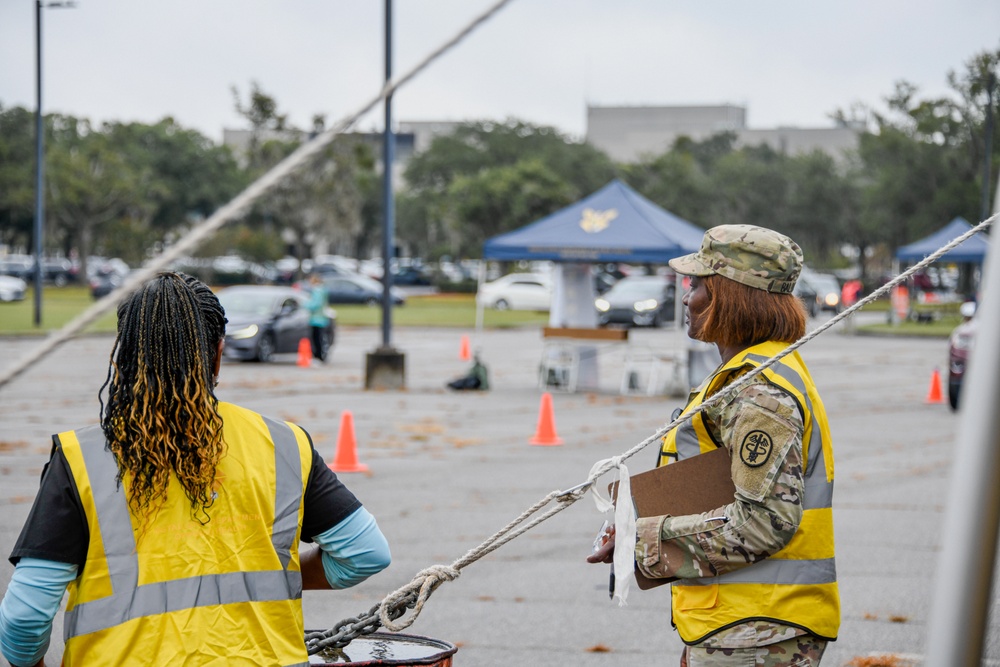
(176, 591)
(797, 586)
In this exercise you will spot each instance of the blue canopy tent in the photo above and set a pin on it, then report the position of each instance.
(972, 251)
(615, 224)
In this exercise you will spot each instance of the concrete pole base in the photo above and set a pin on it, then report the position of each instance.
(385, 368)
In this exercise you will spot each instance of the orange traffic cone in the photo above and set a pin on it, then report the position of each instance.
(546, 433)
(463, 349)
(346, 458)
(934, 393)
(305, 353)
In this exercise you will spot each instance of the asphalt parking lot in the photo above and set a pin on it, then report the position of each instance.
(447, 469)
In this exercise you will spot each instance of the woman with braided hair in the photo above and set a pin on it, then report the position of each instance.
(174, 523)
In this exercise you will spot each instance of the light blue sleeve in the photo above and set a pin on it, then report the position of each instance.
(353, 550)
(31, 602)
(317, 299)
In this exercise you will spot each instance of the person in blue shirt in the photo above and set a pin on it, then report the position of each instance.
(318, 319)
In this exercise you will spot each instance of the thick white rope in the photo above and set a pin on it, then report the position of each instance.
(427, 580)
(235, 208)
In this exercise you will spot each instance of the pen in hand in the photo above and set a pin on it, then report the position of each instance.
(604, 550)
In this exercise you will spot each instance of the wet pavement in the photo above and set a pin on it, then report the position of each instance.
(447, 469)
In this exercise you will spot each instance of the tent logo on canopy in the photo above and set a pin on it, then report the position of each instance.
(596, 221)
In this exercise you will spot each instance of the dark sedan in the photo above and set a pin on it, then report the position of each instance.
(412, 275)
(644, 301)
(357, 289)
(103, 283)
(265, 320)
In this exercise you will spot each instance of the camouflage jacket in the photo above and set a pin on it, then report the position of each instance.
(764, 514)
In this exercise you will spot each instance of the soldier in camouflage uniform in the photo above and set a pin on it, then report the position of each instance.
(756, 582)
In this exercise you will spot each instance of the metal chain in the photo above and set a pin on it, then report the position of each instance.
(349, 629)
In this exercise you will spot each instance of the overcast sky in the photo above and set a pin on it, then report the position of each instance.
(789, 62)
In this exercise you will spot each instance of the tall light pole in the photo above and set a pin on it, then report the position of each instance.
(388, 157)
(385, 368)
(39, 153)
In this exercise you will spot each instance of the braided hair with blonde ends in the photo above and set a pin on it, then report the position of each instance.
(161, 415)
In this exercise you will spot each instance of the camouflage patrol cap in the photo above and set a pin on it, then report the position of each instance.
(751, 255)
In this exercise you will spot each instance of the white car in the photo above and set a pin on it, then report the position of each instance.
(12, 289)
(517, 291)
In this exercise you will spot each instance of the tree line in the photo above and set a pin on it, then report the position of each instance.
(126, 189)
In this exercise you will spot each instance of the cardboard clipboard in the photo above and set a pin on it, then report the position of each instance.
(690, 486)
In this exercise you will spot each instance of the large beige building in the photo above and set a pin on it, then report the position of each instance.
(627, 134)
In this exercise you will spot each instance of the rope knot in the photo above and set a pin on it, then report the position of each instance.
(420, 588)
(438, 574)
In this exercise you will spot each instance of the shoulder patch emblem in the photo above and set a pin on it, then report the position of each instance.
(756, 449)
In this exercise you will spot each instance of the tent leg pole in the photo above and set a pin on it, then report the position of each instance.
(480, 279)
(961, 599)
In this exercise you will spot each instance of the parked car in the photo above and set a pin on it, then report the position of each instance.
(960, 344)
(12, 289)
(333, 264)
(286, 270)
(411, 275)
(265, 320)
(103, 283)
(342, 288)
(97, 266)
(328, 269)
(57, 271)
(517, 291)
(638, 301)
(105, 275)
(818, 291)
(234, 270)
(19, 266)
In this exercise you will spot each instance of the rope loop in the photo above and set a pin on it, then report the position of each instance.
(420, 587)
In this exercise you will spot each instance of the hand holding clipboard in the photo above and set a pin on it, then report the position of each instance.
(690, 486)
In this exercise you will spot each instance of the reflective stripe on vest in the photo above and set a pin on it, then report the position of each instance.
(776, 571)
(129, 600)
(686, 439)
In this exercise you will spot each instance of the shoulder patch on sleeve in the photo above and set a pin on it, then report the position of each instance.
(755, 450)
(759, 439)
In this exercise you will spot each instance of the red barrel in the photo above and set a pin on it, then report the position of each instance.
(384, 648)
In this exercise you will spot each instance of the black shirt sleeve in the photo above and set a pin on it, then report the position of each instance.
(56, 528)
(327, 502)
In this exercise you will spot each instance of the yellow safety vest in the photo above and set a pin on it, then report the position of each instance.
(798, 585)
(227, 592)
